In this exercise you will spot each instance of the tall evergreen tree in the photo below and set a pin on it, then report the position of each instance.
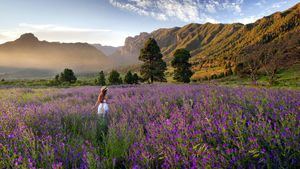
(101, 79)
(135, 78)
(182, 72)
(114, 78)
(67, 76)
(128, 78)
(154, 67)
(56, 79)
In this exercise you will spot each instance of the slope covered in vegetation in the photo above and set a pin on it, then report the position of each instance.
(215, 47)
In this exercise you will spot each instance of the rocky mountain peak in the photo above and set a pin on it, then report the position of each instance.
(28, 37)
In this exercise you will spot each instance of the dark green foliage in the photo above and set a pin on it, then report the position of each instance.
(182, 72)
(101, 79)
(128, 78)
(2, 80)
(56, 79)
(221, 75)
(136, 78)
(154, 67)
(214, 76)
(131, 78)
(67, 76)
(114, 78)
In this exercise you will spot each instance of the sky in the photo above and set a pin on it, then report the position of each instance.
(109, 22)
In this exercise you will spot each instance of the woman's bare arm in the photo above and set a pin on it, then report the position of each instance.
(98, 101)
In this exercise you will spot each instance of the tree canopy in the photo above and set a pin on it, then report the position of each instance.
(128, 78)
(67, 76)
(153, 67)
(182, 72)
(114, 78)
(101, 79)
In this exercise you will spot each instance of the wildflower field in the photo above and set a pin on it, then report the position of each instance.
(151, 126)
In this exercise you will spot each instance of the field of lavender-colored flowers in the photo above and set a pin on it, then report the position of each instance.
(157, 126)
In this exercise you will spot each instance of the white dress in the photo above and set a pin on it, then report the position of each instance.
(103, 108)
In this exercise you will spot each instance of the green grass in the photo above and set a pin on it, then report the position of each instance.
(285, 78)
(111, 145)
(290, 77)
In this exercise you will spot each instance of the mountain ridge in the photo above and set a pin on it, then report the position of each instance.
(29, 52)
(213, 46)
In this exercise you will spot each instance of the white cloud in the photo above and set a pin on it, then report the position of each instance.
(211, 8)
(51, 32)
(261, 3)
(246, 20)
(183, 10)
(234, 6)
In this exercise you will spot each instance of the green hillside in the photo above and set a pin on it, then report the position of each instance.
(215, 47)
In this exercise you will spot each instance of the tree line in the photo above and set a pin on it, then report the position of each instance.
(114, 78)
(152, 70)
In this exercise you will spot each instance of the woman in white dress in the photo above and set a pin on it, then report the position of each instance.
(102, 122)
(102, 102)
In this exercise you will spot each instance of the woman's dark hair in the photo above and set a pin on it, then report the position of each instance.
(102, 95)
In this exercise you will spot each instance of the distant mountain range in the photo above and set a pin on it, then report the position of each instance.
(212, 46)
(107, 50)
(28, 52)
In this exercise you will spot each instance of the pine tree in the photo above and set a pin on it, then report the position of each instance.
(56, 79)
(128, 78)
(135, 78)
(67, 76)
(182, 72)
(101, 79)
(154, 67)
(114, 78)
